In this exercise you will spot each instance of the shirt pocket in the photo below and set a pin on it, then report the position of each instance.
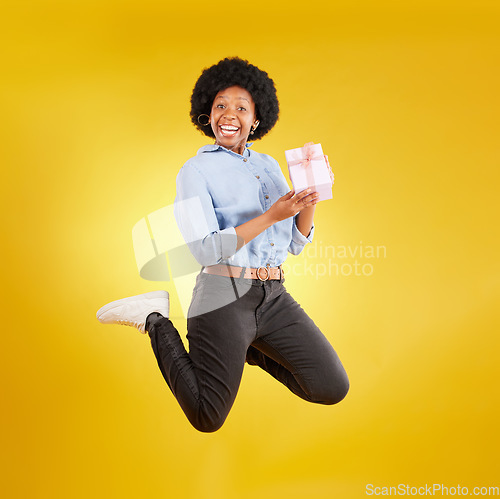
(278, 182)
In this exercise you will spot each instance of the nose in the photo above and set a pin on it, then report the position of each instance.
(229, 114)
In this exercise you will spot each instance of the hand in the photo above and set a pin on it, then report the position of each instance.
(290, 204)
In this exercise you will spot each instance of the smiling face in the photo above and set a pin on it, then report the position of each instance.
(232, 118)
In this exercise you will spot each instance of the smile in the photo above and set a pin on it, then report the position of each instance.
(228, 130)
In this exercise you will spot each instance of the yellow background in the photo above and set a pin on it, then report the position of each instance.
(403, 96)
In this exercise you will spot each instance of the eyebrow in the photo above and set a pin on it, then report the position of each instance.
(225, 97)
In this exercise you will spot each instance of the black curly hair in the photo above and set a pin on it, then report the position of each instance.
(227, 73)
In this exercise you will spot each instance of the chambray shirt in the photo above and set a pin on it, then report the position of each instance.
(217, 190)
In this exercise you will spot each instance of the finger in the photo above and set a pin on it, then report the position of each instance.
(305, 197)
(301, 207)
(309, 197)
(289, 195)
(304, 193)
(309, 200)
(298, 197)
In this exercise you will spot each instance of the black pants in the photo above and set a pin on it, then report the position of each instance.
(265, 326)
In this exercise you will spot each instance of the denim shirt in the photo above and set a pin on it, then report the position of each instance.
(218, 190)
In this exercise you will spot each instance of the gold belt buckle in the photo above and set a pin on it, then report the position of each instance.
(267, 273)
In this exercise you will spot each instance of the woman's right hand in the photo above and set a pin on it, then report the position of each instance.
(290, 204)
(286, 206)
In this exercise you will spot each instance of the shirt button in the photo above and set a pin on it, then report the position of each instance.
(257, 176)
(272, 244)
(245, 160)
(267, 197)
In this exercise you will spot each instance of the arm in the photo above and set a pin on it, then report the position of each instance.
(200, 229)
(286, 206)
(304, 220)
(197, 221)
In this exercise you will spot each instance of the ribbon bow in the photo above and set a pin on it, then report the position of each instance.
(308, 156)
(306, 159)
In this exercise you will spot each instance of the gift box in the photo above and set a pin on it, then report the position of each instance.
(309, 168)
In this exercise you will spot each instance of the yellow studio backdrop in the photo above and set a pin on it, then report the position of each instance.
(402, 276)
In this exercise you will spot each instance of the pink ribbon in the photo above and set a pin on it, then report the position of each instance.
(305, 161)
(332, 177)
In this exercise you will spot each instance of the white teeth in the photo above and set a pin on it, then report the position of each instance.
(229, 128)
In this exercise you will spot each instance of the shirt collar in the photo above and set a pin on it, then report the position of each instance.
(216, 147)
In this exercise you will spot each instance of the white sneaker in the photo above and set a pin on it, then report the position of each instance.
(133, 311)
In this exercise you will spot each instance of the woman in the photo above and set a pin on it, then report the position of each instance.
(239, 219)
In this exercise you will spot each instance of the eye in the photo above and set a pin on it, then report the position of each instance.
(220, 106)
(241, 109)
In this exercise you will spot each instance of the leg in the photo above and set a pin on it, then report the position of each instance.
(293, 350)
(205, 380)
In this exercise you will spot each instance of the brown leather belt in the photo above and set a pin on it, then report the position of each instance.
(262, 273)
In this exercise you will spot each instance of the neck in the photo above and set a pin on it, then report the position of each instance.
(238, 148)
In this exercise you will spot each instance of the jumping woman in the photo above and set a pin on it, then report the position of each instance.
(239, 219)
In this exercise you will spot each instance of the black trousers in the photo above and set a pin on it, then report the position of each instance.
(232, 321)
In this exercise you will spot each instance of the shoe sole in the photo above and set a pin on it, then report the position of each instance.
(148, 296)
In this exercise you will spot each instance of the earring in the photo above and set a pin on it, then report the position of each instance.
(256, 124)
(204, 124)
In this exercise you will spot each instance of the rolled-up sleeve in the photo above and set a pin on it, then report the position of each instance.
(298, 239)
(195, 216)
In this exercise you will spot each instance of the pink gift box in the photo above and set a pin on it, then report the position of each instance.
(309, 168)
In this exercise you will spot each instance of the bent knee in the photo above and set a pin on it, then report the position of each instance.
(208, 424)
(334, 392)
(207, 427)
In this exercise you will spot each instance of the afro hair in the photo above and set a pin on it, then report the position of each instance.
(230, 72)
